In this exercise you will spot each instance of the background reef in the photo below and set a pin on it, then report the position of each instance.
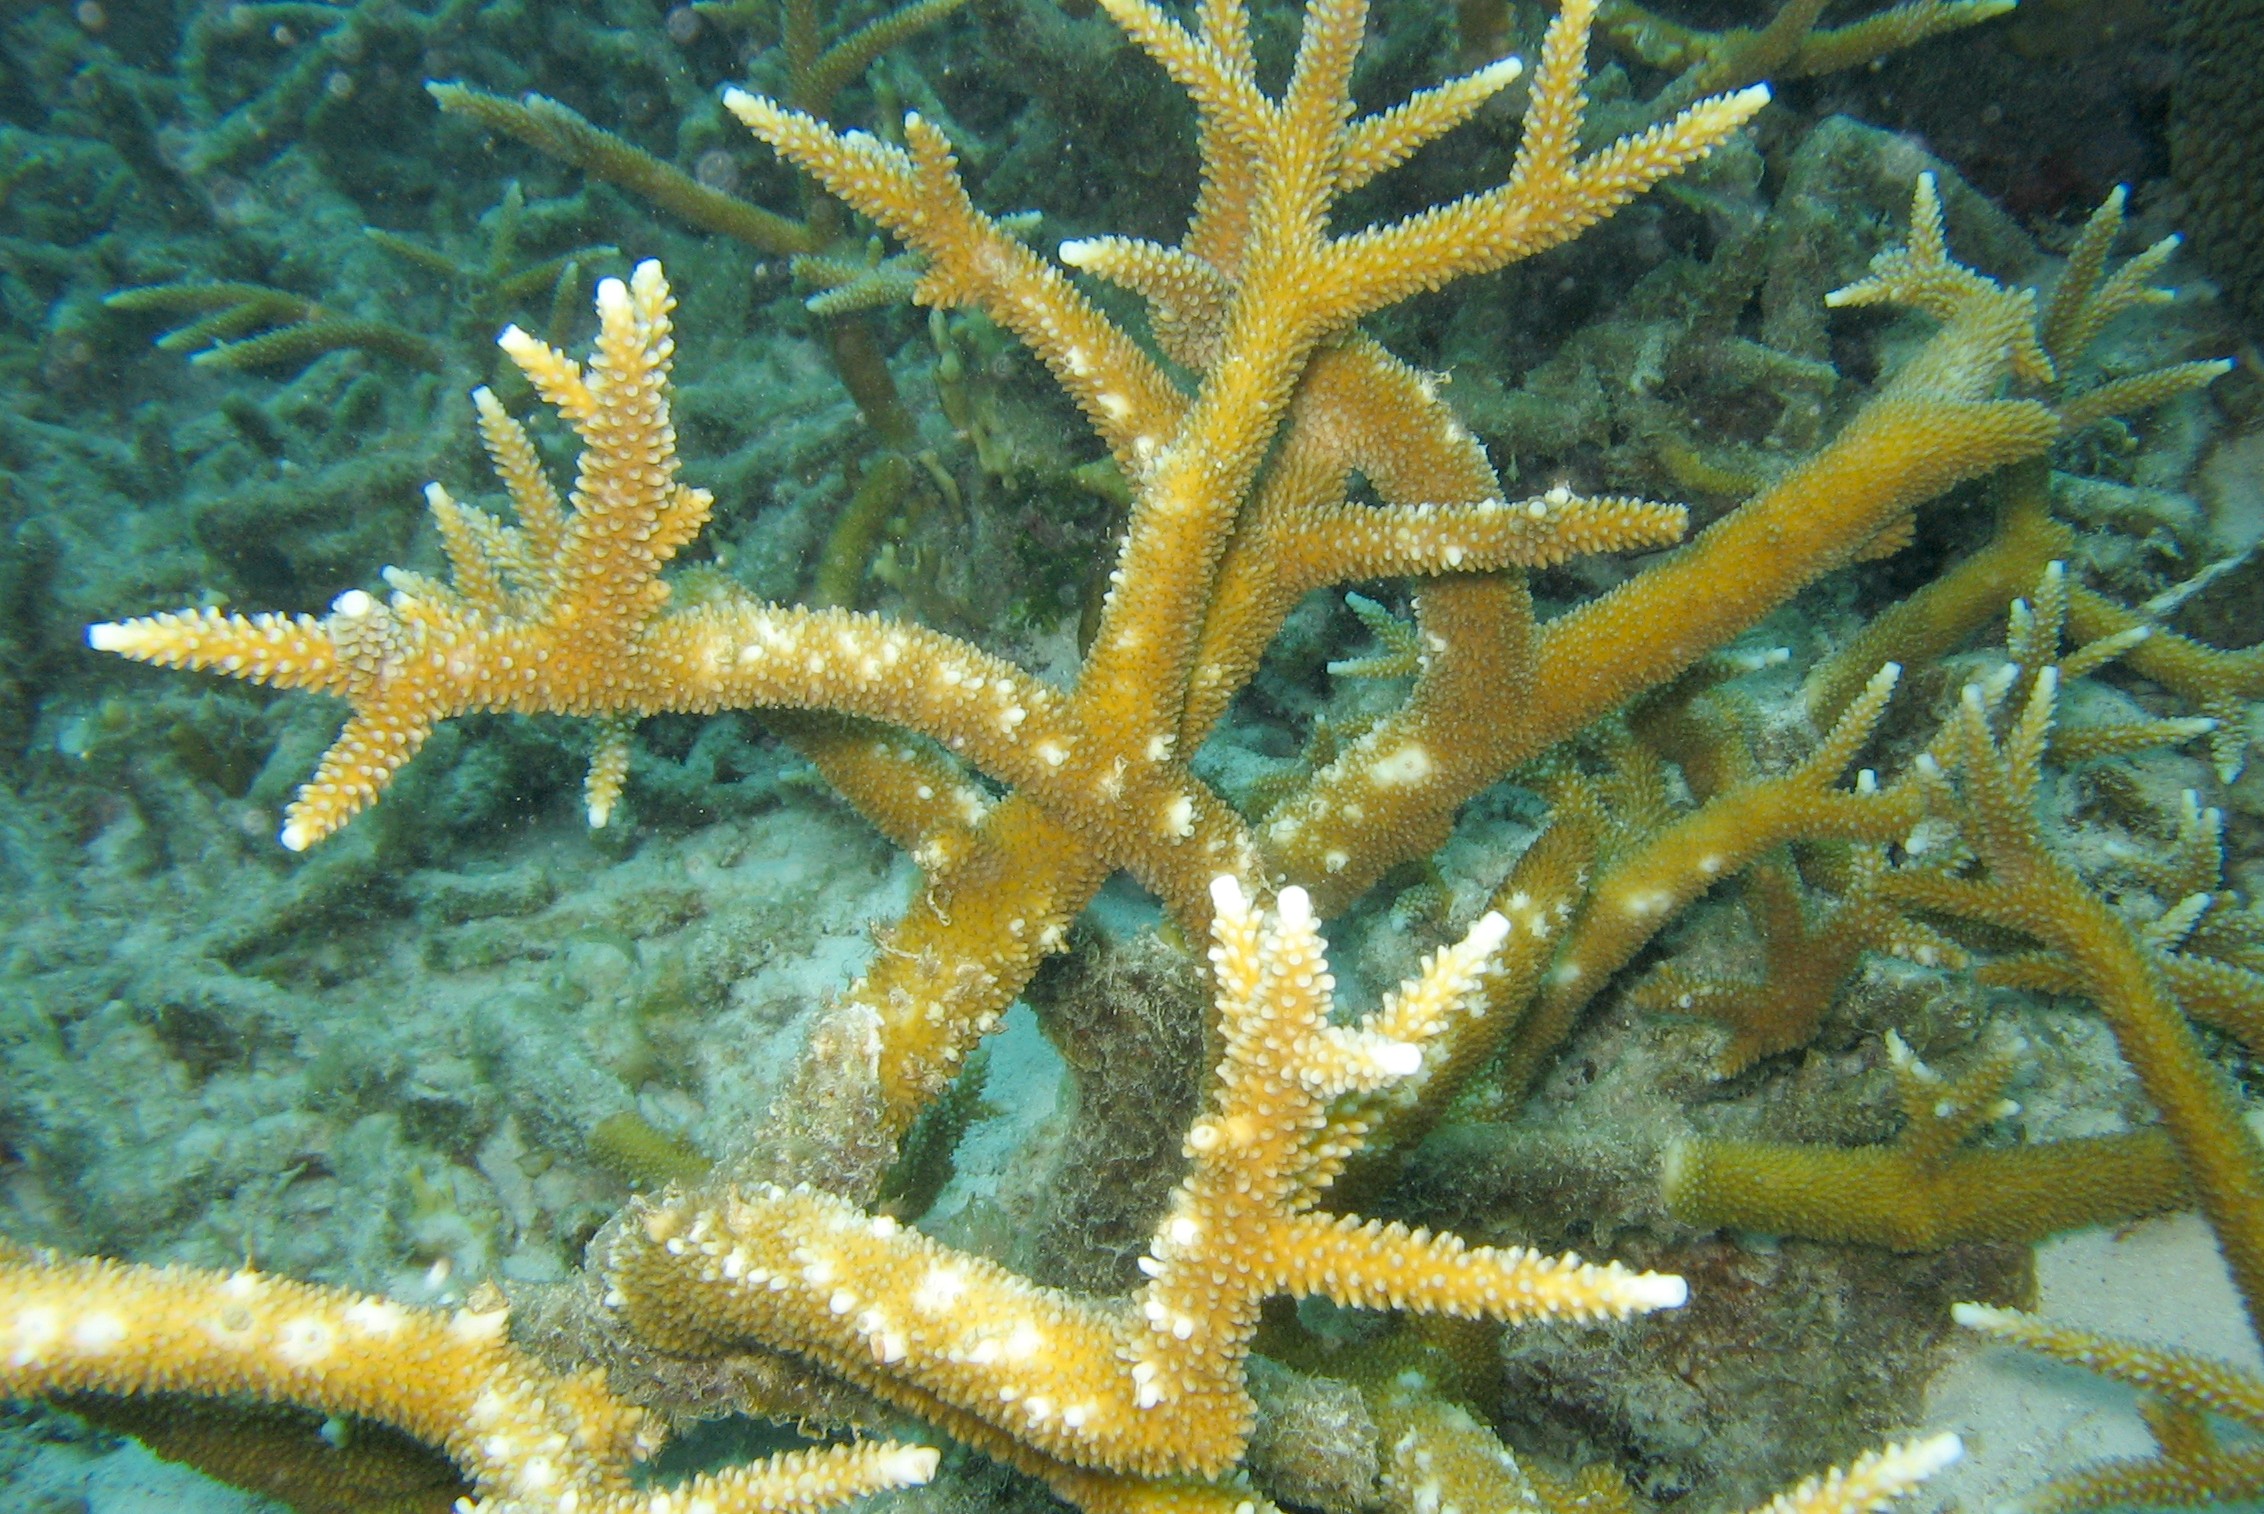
(450, 1042)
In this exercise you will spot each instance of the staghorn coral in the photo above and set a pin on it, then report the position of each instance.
(1804, 962)
(2084, 299)
(578, 614)
(2182, 1391)
(1651, 864)
(528, 1439)
(1349, 409)
(1923, 1192)
(1985, 781)
(1855, 493)
(816, 74)
(309, 1463)
(1982, 775)
(956, 959)
(253, 326)
(1066, 1388)
(1790, 46)
(562, 133)
(1152, 1385)
(1442, 1458)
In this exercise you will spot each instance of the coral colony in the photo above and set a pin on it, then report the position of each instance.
(1239, 417)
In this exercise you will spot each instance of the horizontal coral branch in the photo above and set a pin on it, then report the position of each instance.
(528, 1439)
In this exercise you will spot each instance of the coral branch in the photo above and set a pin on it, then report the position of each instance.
(1923, 1192)
(1151, 1385)
(528, 1439)
(2193, 1468)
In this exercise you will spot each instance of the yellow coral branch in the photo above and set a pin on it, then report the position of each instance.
(1150, 1385)
(528, 1439)
(2193, 1469)
(1923, 1192)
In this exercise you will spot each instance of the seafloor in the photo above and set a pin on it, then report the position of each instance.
(402, 1060)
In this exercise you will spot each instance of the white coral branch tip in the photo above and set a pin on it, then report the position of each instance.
(1294, 909)
(1396, 1059)
(907, 1467)
(613, 308)
(1499, 74)
(1648, 1291)
(1487, 935)
(1982, 1317)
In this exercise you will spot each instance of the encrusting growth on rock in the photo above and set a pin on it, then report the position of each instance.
(529, 1440)
(1151, 1385)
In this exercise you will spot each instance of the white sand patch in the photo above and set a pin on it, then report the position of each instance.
(2026, 1419)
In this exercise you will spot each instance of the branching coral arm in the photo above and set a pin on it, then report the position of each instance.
(1154, 1384)
(1932, 427)
(2028, 889)
(1642, 891)
(527, 1438)
(1343, 543)
(917, 195)
(585, 629)
(1376, 144)
(1552, 195)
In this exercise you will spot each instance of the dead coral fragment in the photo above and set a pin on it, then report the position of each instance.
(1153, 1384)
(528, 1439)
